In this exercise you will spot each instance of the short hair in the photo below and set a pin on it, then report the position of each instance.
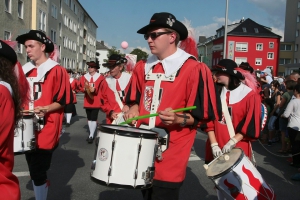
(290, 84)
(177, 35)
(297, 88)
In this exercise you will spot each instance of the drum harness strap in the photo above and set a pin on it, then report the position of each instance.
(230, 126)
(163, 135)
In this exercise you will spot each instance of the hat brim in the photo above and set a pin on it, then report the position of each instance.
(23, 38)
(229, 72)
(178, 27)
(92, 64)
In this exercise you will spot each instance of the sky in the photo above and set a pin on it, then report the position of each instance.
(119, 20)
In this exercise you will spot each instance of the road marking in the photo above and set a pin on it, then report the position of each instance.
(20, 174)
(194, 157)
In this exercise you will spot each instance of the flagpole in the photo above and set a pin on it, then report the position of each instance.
(225, 34)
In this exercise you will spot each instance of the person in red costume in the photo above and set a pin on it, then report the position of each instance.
(10, 113)
(50, 91)
(96, 96)
(70, 109)
(118, 81)
(244, 107)
(169, 79)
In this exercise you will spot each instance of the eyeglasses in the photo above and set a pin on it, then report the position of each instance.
(154, 35)
(91, 67)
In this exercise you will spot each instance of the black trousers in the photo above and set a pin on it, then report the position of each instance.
(38, 163)
(92, 113)
(295, 142)
(161, 193)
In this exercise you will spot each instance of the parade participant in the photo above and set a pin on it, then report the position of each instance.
(117, 81)
(70, 109)
(170, 79)
(95, 92)
(50, 91)
(244, 107)
(10, 114)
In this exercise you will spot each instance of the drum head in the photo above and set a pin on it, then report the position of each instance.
(128, 131)
(27, 115)
(220, 166)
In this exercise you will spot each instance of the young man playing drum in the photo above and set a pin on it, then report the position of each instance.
(170, 79)
(118, 82)
(50, 91)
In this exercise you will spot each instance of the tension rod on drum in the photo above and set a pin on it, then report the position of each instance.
(137, 162)
(112, 155)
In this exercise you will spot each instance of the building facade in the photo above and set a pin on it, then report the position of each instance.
(65, 22)
(290, 56)
(101, 55)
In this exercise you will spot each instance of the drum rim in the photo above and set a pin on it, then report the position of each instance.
(230, 168)
(114, 185)
(126, 133)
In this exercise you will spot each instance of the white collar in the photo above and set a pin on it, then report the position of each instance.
(42, 69)
(171, 64)
(95, 76)
(237, 94)
(7, 85)
(123, 81)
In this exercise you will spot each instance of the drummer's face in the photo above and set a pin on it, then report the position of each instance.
(222, 78)
(160, 44)
(34, 49)
(116, 71)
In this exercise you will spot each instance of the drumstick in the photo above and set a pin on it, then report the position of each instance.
(156, 114)
(31, 110)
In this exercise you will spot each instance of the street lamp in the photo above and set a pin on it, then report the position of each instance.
(225, 34)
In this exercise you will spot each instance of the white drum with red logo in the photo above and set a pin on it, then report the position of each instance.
(125, 157)
(24, 139)
(235, 177)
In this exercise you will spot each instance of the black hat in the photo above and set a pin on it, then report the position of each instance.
(7, 52)
(93, 64)
(166, 20)
(228, 66)
(38, 36)
(114, 59)
(70, 71)
(246, 66)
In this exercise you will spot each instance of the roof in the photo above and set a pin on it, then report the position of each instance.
(100, 46)
(252, 29)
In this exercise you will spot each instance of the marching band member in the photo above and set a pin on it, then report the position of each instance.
(50, 91)
(244, 107)
(170, 79)
(11, 98)
(118, 82)
(70, 109)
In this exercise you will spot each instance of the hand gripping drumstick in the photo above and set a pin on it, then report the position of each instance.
(156, 114)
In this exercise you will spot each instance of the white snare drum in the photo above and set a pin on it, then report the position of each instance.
(125, 157)
(237, 178)
(24, 139)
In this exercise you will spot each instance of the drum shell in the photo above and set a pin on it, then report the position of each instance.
(125, 156)
(27, 134)
(243, 180)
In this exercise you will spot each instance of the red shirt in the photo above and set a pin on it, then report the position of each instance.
(9, 184)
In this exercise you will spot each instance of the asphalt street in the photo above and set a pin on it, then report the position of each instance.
(70, 170)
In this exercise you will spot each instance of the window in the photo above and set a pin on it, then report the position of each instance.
(298, 4)
(256, 30)
(270, 55)
(241, 47)
(244, 30)
(8, 6)
(285, 47)
(66, 2)
(283, 61)
(20, 9)
(7, 35)
(297, 33)
(60, 6)
(298, 18)
(240, 60)
(296, 47)
(42, 21)
(258, 61)
(259, 46)
(271, 45)
(53, 36)
(54, 11)
(60, 29)
(20, 48)
(295, 60)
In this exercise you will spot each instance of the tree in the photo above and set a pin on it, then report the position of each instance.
(111, 51)
(140, 54)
